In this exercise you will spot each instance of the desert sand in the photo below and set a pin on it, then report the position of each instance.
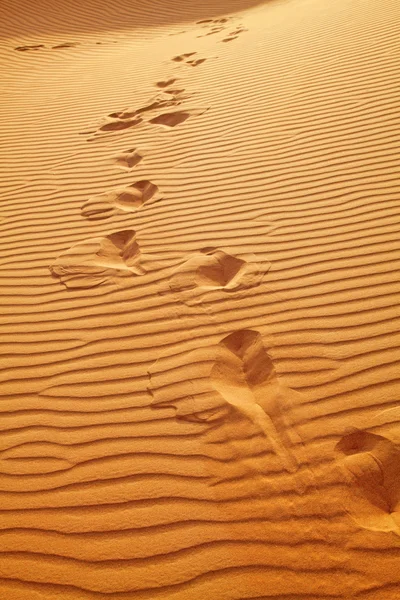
(200, 323)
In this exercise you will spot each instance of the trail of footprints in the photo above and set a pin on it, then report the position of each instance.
(211, 26)
(242, 377)
(210, 268)
(215, 26)
(116, 257)
(34, 47)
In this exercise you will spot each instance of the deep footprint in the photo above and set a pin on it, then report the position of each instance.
(124, 199)
(215, 269)
(371, 464)
(245, 377)
(99, 260)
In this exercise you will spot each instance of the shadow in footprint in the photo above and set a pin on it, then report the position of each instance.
(245, 377)
(124, 199)
(371, 465)
(66, 45)
(99, 260)
(166, 83)
(27, 48)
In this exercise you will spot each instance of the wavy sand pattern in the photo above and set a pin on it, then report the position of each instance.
(199, 333)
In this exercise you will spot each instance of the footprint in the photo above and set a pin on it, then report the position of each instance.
(164, 100)
(214, 25)
(65, 45)
(161, 100)
(166, 83)
(194, 63)
(245, 377)
(238, 377)
(371, 465)
(124, 199)
(170, 119)
(99, 260)
(129, 159)
(26, 48)
(209, 22)
(117, 124)
(215, 269)
(234, 34)
(183, 57)
(213, 31)
(124, 119)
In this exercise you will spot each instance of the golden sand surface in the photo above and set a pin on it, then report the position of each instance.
(199, 278)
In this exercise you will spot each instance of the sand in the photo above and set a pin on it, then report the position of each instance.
(200, 290)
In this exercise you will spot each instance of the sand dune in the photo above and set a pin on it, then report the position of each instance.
(199, 332)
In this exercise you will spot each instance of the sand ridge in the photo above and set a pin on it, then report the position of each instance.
(199, 327)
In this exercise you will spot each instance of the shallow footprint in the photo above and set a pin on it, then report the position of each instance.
(124, 199)
(129, 159)
(371, 465)
(99, 260)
